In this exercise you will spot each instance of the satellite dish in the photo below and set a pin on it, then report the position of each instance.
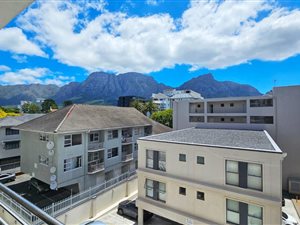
(53, 185)
(51, 152)
(53, 178)
(52, 169)
(50, 145)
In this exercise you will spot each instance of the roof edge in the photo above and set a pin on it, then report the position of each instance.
(65, 117)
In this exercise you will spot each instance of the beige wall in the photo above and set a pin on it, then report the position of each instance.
(210, 179)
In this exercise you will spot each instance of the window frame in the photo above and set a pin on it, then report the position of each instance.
(13, 145)
(180, 157)
(158, 160)
(111, 153)
(9, 131)
(69, 140)
(182, 191)
(202, 161)
(200, 195)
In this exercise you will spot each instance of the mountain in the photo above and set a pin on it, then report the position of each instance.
(208, 87)
(13, 94)
(100, 87)
(108, 87)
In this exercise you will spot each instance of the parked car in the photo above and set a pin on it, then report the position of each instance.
(39, 186)
(93, 222)
(288, 219)
(7, 177)
(128, 208)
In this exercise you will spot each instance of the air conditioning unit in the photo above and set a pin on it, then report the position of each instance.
(294, 186)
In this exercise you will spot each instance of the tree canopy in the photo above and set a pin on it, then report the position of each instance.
(31, 108)
(164, 117)
(67, 102)
(48, 104)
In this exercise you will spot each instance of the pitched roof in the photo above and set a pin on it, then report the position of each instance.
(87, 117)
(223, 138)
(11, 121)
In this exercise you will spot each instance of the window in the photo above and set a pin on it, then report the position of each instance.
(12, 145)
(261, 119)
(113, 152)
(199, 106)
(156, 190)
(222, 119)
(244, 175)
(231, 104)
(222, 105)
(9, 131)
(94, 137)
(44, 137)
(112, 134)
(137, 131)
(136, 146)
(231, 119)
(43, 160)
(182, 157)
(72, 163)
(243, 213)
(261, 102)
(200, 195)
(72, 139)
(200, 160)
(156, 160)
(196, 119)
(182, 191)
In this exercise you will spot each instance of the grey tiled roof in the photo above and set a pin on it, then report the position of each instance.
(11, 121)
(87, 117)
(227, 138)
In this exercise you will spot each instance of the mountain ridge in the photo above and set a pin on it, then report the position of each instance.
(106, 88)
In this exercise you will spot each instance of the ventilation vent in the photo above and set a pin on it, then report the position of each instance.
(294, 186)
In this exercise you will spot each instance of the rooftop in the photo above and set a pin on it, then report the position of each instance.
(222, 138)
(90, 117)
(11, 121)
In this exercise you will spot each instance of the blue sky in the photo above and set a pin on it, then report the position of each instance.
(56, 42)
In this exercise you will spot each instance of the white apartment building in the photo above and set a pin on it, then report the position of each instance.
(278, 113)
(81, 146)
(165, 100)
(10, 140)
(211, 176)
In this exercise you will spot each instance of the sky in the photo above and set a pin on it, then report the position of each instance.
(254, 42)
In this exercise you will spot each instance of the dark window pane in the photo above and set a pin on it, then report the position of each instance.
(182, 191)
(200, 195)
(200, 160)
(182, 157)
(76, 139)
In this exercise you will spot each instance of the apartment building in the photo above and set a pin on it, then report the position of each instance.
(211, 176)
(278, 113)
(165, 100)
(83, 145)
(10, 139)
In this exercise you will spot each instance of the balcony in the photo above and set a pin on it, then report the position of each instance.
(95, 146)
(95, 167)
(126, 140)
(127, 157)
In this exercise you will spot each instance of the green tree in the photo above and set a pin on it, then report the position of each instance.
(67, 102)
(47, 104)
(138, 105)
(150, 107)
(31, 108)
(164, 117)
(11, 109)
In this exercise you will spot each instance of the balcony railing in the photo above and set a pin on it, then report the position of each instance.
(127, 157)
(94, 167)
(95, 146)
(126, 140)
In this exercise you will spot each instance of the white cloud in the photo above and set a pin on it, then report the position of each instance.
(20, 58)
(209, 34)
(152, 2)
(14, 40)
(4, 68)
(33, 75)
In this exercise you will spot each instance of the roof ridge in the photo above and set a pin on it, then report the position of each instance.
(65, 117)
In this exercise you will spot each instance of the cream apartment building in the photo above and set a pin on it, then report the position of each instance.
(211, 176)
(277, 112)
(83, 145)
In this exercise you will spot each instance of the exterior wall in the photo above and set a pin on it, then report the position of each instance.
(288, 129)
(210, 179)
(32, 147)
(4, 154)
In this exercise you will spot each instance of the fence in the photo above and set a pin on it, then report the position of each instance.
(57, 208)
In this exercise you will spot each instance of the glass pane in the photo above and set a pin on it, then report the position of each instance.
(233, 217)
(254, 221)
(232, 178)
(162, 191)
(149, 188)
(162, 161)
(255, 211)
(254, 169)
(254, 183)
(149, 160)
(232, 166)
(232, 205)
(200, 159)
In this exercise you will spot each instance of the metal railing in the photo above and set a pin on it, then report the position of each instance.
(95, 166)
(126, 139)
(95, 146)
(127, 157)
(10, 166)
(57, 208)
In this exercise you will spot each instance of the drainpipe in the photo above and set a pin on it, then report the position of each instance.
(31, 207)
